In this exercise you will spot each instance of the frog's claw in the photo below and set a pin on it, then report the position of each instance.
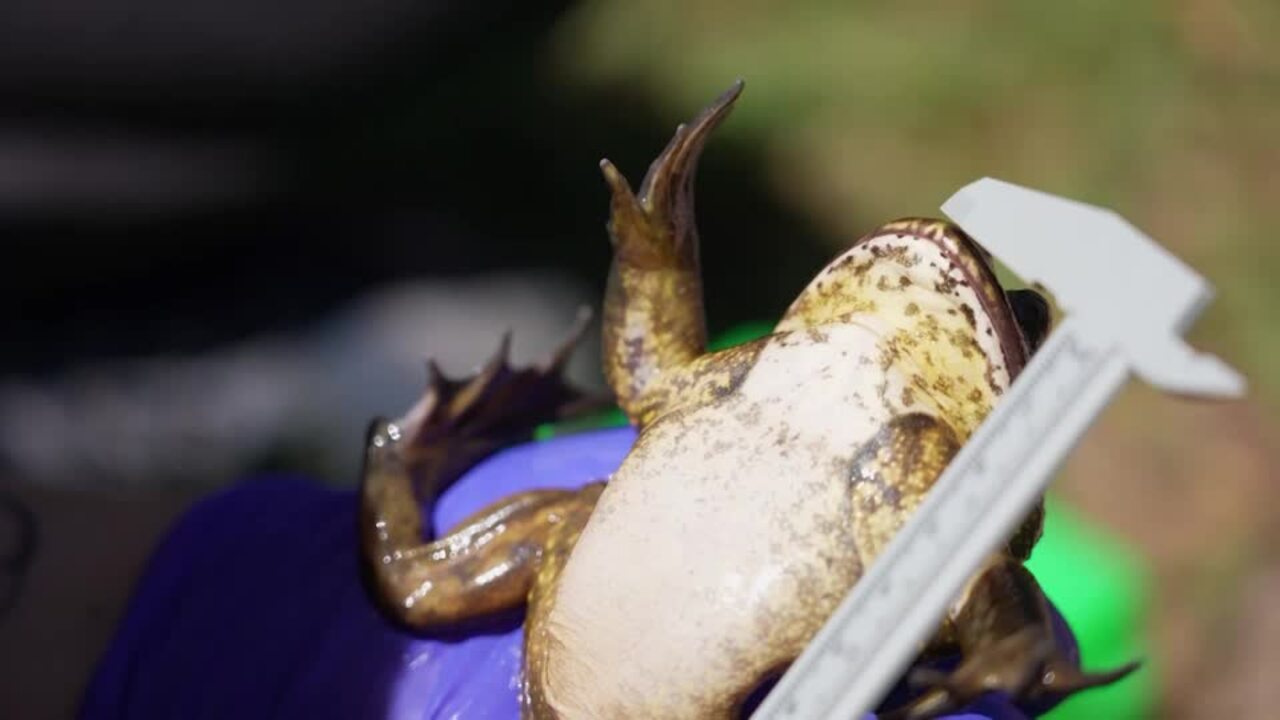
(1060, 678)
(653, 315)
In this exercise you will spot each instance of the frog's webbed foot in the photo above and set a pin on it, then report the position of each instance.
(1008, 646)
(656, 227)
(653, 314)
(412, 460)
(456, 423)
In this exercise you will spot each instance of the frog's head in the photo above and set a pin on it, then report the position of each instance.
(945, 321)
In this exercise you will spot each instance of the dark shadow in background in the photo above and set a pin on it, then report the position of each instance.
(176, 177)
(443, 151)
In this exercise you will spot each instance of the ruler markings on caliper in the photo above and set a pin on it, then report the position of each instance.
(1005, 467)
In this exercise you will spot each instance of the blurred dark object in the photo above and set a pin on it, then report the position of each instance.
(176, 176)
(146, 106)
(154, 154)
(234, 230)
(18, 537)
(280, 402)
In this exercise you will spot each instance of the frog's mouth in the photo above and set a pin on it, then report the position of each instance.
(972, 261)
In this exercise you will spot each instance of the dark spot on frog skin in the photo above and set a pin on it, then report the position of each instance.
(781, 439)
(970, 318)
(912, 308)
(906, 454)
(896, 252)
(908, 396)
(719, 376)
(751, 416)
(634, 350)
(888, 355)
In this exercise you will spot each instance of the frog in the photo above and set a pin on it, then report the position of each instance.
(764, 480)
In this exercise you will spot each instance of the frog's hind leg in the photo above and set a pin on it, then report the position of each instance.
(1005, 631)
(488, 562)
(653, 313)
(1001, 623)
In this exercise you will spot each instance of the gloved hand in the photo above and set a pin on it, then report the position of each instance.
(252, 607)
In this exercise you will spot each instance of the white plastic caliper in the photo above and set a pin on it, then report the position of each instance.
(1126, 302)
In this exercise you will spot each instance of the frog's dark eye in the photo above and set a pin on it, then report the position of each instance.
(758, 694)
(1031, 311)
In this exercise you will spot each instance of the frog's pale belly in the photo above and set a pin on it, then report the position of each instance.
(724, 541)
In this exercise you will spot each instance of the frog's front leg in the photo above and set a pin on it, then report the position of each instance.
(488, 562)
(1005, 631)
(653, 313)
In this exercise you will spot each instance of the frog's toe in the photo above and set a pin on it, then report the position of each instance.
(498, 403)
(1060, 678)
(671, 174)
(1008, 665)
(656, 223)
(1025, 666)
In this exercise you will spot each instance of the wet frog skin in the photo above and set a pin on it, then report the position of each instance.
(765, 478)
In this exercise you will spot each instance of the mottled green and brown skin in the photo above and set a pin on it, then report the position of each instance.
(764, 479)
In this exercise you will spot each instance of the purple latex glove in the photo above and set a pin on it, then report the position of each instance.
(253, 607)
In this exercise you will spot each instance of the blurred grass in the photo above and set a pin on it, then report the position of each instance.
(1165, 111)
